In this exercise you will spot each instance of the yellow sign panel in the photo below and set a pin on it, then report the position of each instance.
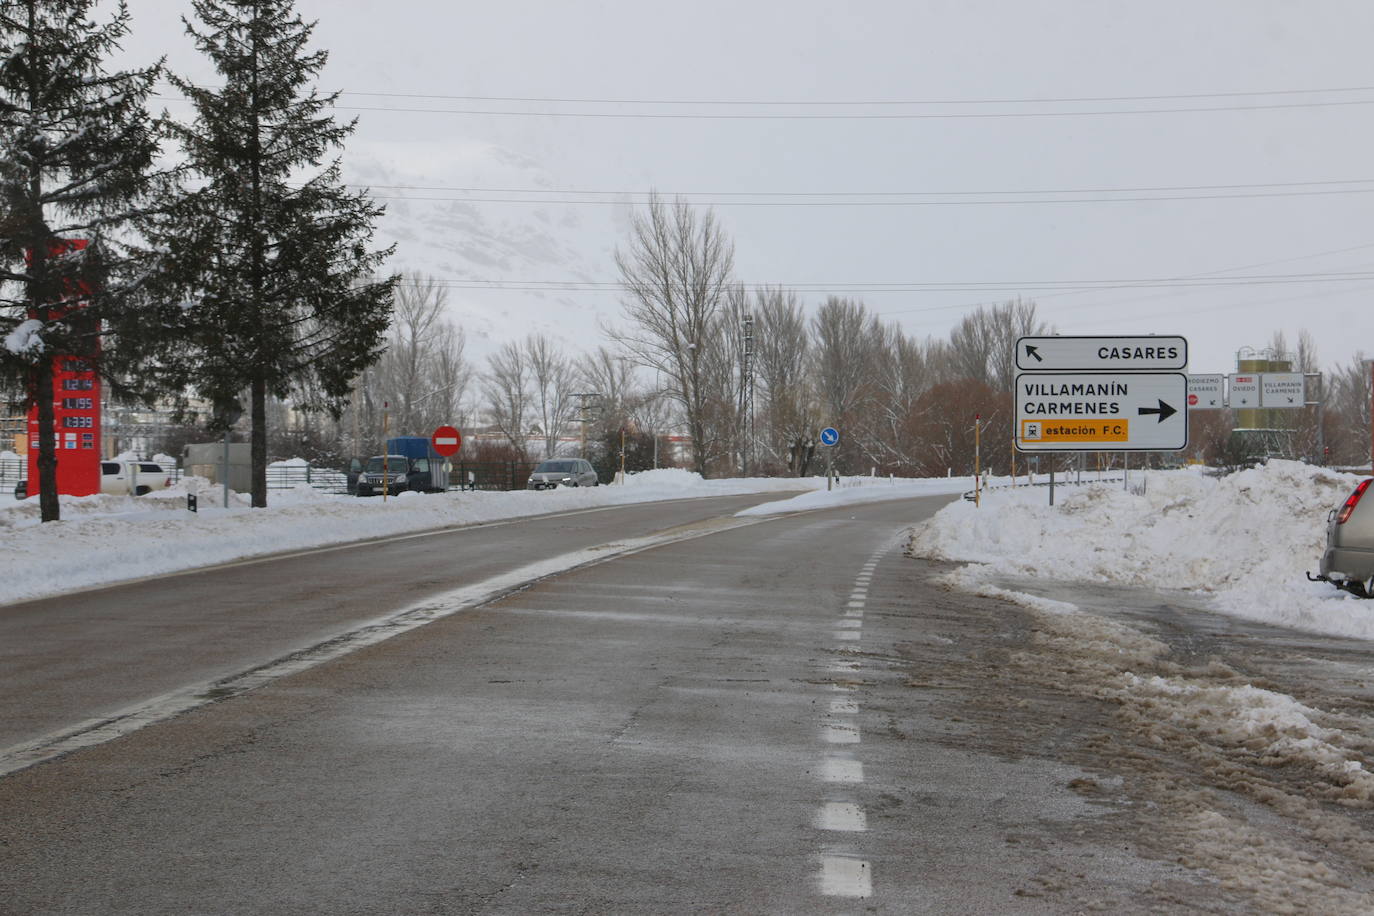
(1079, 429)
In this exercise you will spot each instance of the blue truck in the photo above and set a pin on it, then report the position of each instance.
(410, 464)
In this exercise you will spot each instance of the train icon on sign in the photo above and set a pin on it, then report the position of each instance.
(1030, 431)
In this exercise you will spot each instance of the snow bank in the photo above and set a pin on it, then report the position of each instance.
(1245, 539)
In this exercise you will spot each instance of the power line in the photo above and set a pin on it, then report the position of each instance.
(1208, 273)
(998, 286)
(831, 116)
(881, 203)
(906, 116)
(668, 194)
(1044, 100)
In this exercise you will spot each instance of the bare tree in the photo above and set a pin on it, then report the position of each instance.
(675, 269)
(422, 380)
(507, 396)
(419, 309)
(785, 387)
(1348, 412)
(900, 377)
(845, 338)
(551, 379)
(983, 344)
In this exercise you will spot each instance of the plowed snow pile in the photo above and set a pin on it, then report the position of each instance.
(1246, 539)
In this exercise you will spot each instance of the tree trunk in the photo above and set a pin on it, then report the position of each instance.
(48, 507)
(258, 449)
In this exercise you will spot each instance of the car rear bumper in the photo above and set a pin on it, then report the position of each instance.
(1347, 563)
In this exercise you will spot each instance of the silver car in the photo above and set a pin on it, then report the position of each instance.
(1348, 562)
(562, 472)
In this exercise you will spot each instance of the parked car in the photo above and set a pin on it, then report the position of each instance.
(126, 478)
(355, 471)
(1348, 562)
(400, 473)
(132, 478)
(562, 472)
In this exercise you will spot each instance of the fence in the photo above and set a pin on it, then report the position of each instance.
(466, 475)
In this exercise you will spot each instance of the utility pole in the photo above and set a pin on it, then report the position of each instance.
(584, 414)
(748, 390)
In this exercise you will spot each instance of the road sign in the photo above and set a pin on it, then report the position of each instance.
(830, 436)
(446, 440)
(1244, 391)
(1099, 411)
(1282, 389)
(1167, 353)
(1206, 392)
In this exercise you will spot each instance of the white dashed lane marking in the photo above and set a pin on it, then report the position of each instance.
(835, 733)
(842, 769)
(845, 877)
(845, 817)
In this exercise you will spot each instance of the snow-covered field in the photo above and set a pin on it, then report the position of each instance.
(1243, 540)
(105, 539)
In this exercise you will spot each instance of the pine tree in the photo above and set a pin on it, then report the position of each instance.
(269, 250)
(76, 146)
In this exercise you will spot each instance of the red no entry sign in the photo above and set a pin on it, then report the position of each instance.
(446, 440)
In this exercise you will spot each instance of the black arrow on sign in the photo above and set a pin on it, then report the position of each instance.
(1164, 411)
(1032, 351)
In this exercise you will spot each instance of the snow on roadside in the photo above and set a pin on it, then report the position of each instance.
(1245, 540)
(105, 539)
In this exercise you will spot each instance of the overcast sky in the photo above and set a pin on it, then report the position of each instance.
(957, 123)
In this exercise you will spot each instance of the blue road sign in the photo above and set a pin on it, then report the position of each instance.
(830, 436)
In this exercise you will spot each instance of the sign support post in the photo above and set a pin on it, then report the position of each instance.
(977, 470)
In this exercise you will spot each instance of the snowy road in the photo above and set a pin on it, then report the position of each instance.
(778, 714)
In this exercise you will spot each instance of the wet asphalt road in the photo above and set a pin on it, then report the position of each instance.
(75, 658)
(786, 717)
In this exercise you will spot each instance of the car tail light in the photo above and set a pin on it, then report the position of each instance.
(1350, 503)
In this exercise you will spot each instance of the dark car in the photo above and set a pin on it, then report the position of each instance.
(399, 473)
(562, 472)
(1348, 562)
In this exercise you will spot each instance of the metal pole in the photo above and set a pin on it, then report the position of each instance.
(1125, 470)
(386, 448)
(1051, 482)
(226, 469)
(1371, 416)
(977, 468)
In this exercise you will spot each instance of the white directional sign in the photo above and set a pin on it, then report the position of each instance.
(1282, 389)
(1206, 392)
(1102, 354)
(1245, 391)
(1098, 411)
